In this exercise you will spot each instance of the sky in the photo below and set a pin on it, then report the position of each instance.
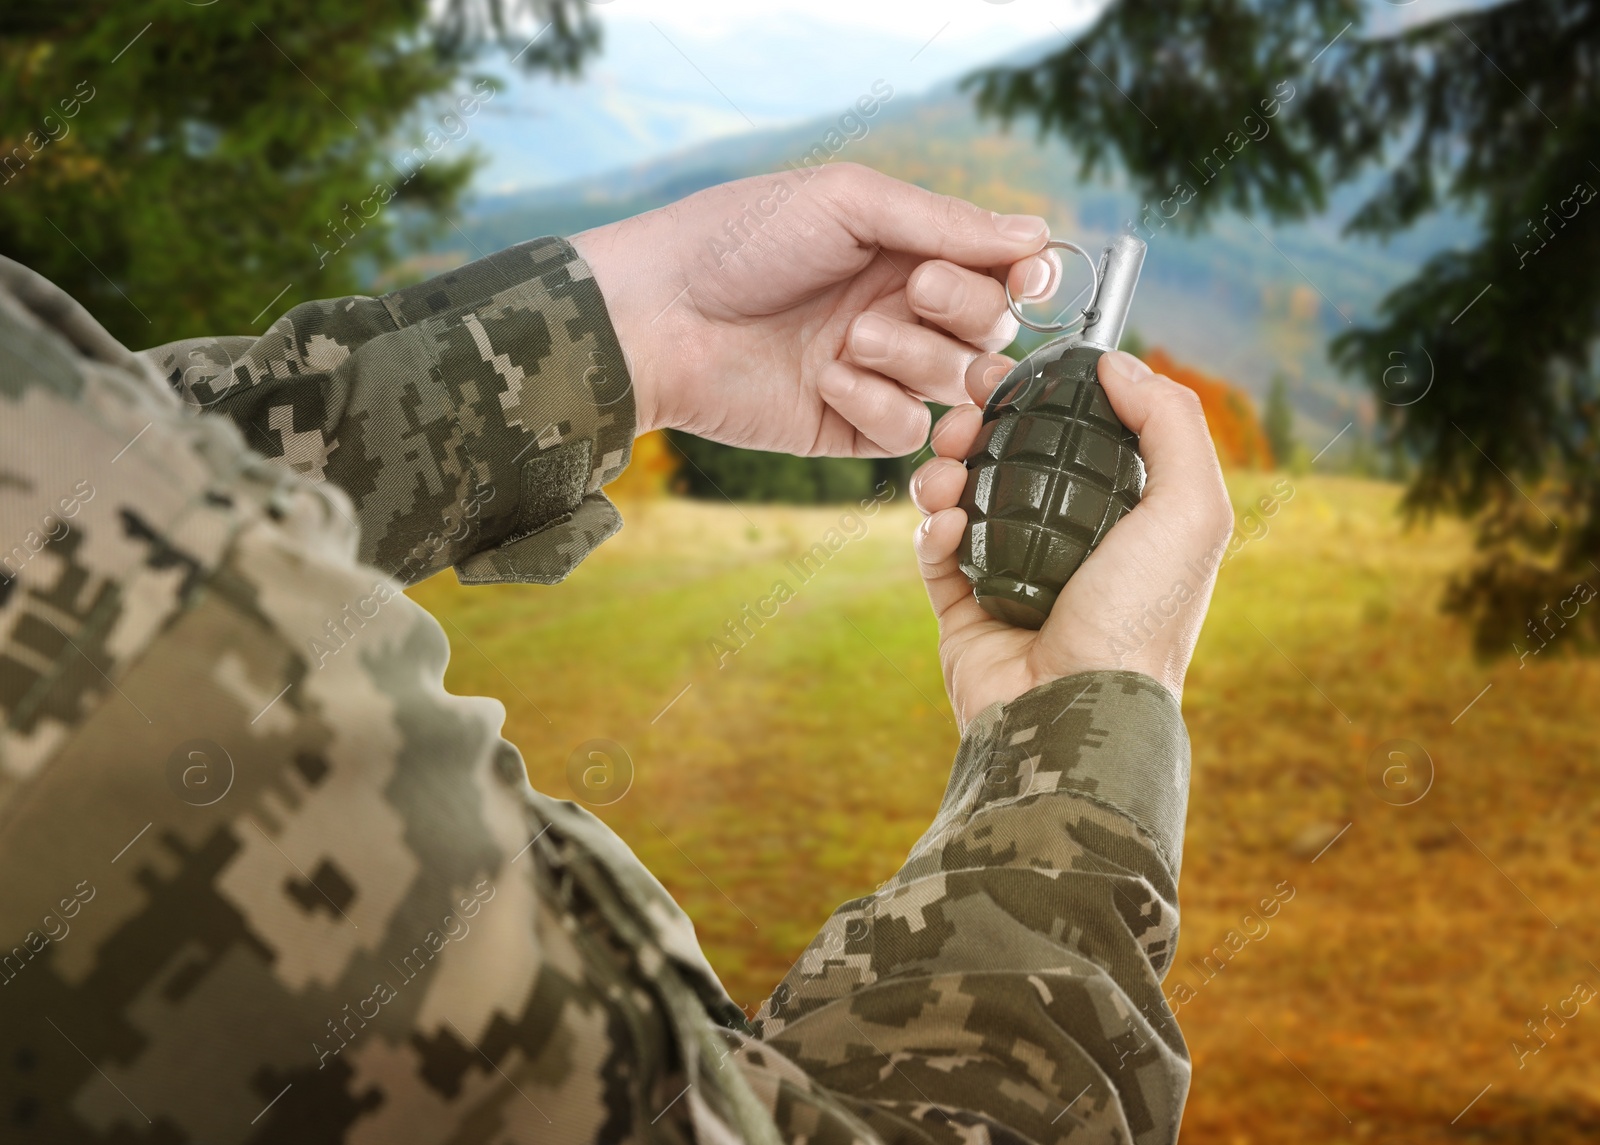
(673, 73)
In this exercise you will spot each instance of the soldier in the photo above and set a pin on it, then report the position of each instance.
(266, 881)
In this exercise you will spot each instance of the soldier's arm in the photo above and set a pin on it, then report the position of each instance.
(471, 419)
(267, 879)
(1009, 975)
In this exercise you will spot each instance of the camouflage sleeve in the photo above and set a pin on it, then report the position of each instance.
(1005, 984)
(471, 419)
(258, 896)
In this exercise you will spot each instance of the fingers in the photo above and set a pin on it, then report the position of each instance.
(1180, 461)
(970, 305)
(932, 364)
(936, 541)
(984, 375)
(956, 432)
(884, 212)
(937, 484)
(1034, 279)
(880, 411)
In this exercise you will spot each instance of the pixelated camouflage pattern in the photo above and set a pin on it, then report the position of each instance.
(464, 416)
(1007, 978)
(267, 881)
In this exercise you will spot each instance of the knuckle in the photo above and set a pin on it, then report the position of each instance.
(1183, 405)
(912, 432)
(844, 176)
(1182, 398)
(1002, 333)
(957, 216)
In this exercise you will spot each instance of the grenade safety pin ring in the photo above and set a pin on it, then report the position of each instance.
(1088, 312)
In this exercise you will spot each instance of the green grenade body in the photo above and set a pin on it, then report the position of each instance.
(1052, 470)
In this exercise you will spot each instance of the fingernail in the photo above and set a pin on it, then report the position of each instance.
(1037, 280)
(1021, 227)
(871, 337)
(940, 289)
(1124, 366)
(993, 376)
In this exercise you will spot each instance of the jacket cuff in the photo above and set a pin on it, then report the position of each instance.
(534, 315)
(1116, 738)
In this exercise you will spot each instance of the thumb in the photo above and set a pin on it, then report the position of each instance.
(884, 212)
(1183, 477)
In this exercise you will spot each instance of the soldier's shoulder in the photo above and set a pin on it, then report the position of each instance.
(117, 507)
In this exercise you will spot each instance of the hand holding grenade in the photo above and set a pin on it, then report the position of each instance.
(1053, 468)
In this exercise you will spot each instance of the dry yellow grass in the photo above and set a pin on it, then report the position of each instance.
(1388, 991)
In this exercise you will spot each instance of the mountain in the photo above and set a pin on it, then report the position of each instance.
(1240, 299)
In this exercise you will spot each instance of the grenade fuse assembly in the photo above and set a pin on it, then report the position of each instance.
(1053, 468)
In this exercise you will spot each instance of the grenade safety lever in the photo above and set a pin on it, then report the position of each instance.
(1053, 468)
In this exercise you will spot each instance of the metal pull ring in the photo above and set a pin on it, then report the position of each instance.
(1087, 312)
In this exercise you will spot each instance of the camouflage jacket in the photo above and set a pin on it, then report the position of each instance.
(266, 881)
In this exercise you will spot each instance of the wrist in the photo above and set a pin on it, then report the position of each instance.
(1114, 736)
(1164, 672)
(624, 278)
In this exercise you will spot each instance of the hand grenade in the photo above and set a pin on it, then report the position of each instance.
(1053, 468)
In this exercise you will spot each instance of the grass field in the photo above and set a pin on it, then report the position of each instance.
(1388, 992)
